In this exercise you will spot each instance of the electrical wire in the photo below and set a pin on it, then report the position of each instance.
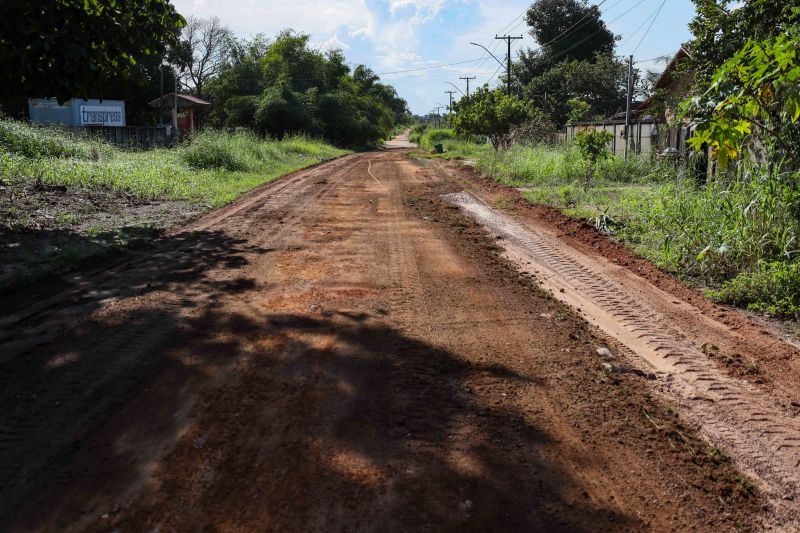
(428, 68)
(495, 74)
(561, 53)
(638, 29)
(649, 27)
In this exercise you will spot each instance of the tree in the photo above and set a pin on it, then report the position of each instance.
(578, 110)
(594, 147)
(241, 77)
(281, 111)
(491, 113)
(71, 48)
(600, 83)
(282, 86)
(537, 129)
(565, 30)
(202, 52)
(721, 28)
(755, 94)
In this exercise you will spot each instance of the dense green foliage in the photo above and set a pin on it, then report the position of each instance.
(574, 60)
(566, 30)
(753, 95)
(284, 86)
(212, 168)
(721, 28)
(773, 287)
(454, 145)
(73, 48)
(491, 113)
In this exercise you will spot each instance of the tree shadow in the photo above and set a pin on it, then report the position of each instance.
(63, 377)
(337, 421)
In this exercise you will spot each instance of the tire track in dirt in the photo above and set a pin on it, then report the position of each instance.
(763, 437)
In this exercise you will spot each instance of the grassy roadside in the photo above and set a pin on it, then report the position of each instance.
(454, 146)
(65, 199)
(738, 238)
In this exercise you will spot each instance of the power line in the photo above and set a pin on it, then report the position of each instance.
(561, 53)
(428, 68)
(649, 27)
(495, 74)
(638, 29)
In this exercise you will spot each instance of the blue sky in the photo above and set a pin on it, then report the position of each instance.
(395, 35)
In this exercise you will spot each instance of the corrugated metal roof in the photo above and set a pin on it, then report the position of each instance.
(184, 100)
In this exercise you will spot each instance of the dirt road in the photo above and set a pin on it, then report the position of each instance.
(346, 349)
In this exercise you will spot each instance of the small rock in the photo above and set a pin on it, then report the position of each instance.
(199, 442)
(466, 505)
(605, 353)
(313, 307)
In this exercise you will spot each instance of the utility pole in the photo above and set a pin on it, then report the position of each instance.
(467, 78)
(628, 107)
(161, 102)
(508, 39)
(451, 93)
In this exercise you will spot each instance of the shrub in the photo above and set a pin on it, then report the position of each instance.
(216, 149)
(241, 111)
(538, 129)
(30, 141)
(436, 136)
(715, 232)
(773, 287)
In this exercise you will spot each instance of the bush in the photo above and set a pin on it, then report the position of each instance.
(718, 231)
(241, 111)
(30, 141)
(216, 149)
(773, 287)
(539, 129)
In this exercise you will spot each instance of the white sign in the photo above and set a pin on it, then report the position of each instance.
(102, 115)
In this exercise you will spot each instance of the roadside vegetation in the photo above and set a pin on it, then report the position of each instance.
(736, 233)
(66, 197)
(453, 145)
(211, 168)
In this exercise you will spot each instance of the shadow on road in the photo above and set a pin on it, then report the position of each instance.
(286, 421)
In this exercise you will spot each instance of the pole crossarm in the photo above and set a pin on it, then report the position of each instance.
(508, 39)
(467, 78)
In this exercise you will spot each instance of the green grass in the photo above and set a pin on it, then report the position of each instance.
(537, 165)
(740, 234)
(772, 287)
(213, 168)
(455, 147)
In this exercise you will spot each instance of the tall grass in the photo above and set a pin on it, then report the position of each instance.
(715, 231)
(455, 147)
(740, 233)
(525, 165)
(212, 168)
(24, 140)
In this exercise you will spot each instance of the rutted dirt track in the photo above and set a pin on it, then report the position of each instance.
(344, 349)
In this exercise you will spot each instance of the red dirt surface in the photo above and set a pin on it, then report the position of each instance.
(339, 350)
(778, 361)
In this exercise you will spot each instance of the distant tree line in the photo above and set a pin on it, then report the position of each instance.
(134, 50)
